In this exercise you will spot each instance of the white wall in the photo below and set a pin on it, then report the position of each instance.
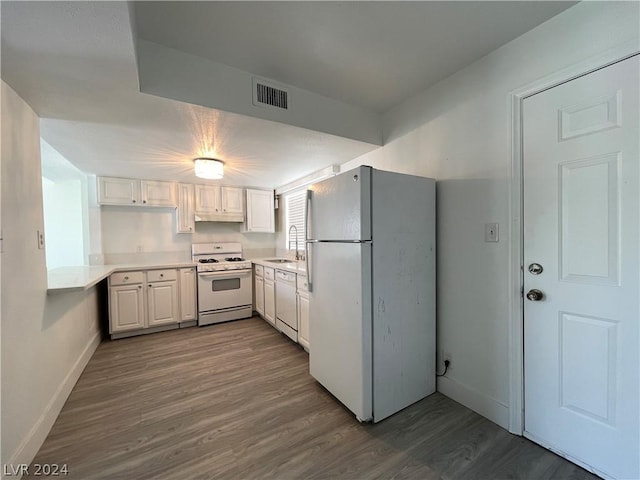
(46, 340)
(131, 234)
(459, 133)
(63, 222)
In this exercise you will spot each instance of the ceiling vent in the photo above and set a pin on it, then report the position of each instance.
(268, 94)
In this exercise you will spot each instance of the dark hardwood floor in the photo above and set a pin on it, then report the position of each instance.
(236, 401)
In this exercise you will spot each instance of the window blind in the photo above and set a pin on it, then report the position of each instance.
(295, 203)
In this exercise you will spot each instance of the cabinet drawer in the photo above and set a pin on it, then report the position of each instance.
(162, 275)
(125, 278)
(259, 270)
(269, 273)
(303, 283)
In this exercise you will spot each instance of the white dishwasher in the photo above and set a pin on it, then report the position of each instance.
(286, 317)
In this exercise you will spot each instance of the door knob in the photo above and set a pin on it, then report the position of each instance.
(535, 295)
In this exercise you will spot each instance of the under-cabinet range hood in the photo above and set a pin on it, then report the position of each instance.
(219, 217)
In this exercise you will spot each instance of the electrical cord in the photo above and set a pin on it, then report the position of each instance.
(446, 367)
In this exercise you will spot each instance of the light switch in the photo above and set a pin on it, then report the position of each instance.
(491, 232)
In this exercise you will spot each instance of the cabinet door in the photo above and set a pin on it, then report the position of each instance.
(126, 308)
(270, 301)
(158, 194)
(260, 212)
(303, 319)
(184, 213)
(208, 199)
(259, 289)
(188, 294)
(232, 201)
(118, 191)
(162, 305)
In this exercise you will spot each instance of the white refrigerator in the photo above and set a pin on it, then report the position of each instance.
(370, 243)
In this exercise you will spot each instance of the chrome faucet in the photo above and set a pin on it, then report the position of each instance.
(298, 257)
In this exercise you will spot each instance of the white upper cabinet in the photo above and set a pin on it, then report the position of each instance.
(118, 191)
(131, 191)
(260, 212)
(208, 199)
(185, 210)
(158, 194)
(232, 201)
(219, 204)
(212, 203)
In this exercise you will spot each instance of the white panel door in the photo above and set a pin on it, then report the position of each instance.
(208, 199)
(581, 253)
(270, 301)
(232, 200)
(163, 303)
(188, 295)
(118, 191)
(340, 322)
(158, 194)
(303, 319)
(126, 308)
(260, 213)
(185, 222)
(259, 289)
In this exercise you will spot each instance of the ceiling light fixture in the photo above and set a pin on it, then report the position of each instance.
(209, 168)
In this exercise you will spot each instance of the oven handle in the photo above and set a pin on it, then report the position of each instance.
(225, 273)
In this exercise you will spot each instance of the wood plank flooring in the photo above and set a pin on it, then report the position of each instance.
(236, 401)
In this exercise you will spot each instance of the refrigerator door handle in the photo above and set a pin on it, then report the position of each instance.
(306, 256)
(306, 240)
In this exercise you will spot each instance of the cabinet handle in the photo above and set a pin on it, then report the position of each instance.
(134, 201)
(161, 275)
(126, 278)
(139, 286)
(150, 285)
(144, 201)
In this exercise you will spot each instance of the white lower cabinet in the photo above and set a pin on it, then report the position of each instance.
(259, 290)
(269, 300)
(265, 290)
(126, 308)
(303, 312)
(188, 295)
(146, 301)
(162, 303)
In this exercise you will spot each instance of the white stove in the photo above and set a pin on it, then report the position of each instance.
(225, 289)
(215, 257)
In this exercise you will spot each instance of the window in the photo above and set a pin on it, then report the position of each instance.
(294, 214)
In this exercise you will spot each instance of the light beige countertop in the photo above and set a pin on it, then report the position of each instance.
(65, 279)
(299, 267)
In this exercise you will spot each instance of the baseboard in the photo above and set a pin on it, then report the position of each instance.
(29, 447)
(477, 401)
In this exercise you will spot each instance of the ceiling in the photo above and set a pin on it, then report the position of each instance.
(75, 64)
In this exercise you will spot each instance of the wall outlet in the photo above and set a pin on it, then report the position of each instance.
(40, 239)
(491, 232)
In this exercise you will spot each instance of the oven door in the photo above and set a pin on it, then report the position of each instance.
(220, 290)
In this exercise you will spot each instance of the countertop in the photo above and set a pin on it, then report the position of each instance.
(299, 267)
(65, 279)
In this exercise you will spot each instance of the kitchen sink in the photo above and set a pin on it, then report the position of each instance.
(280, 260)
